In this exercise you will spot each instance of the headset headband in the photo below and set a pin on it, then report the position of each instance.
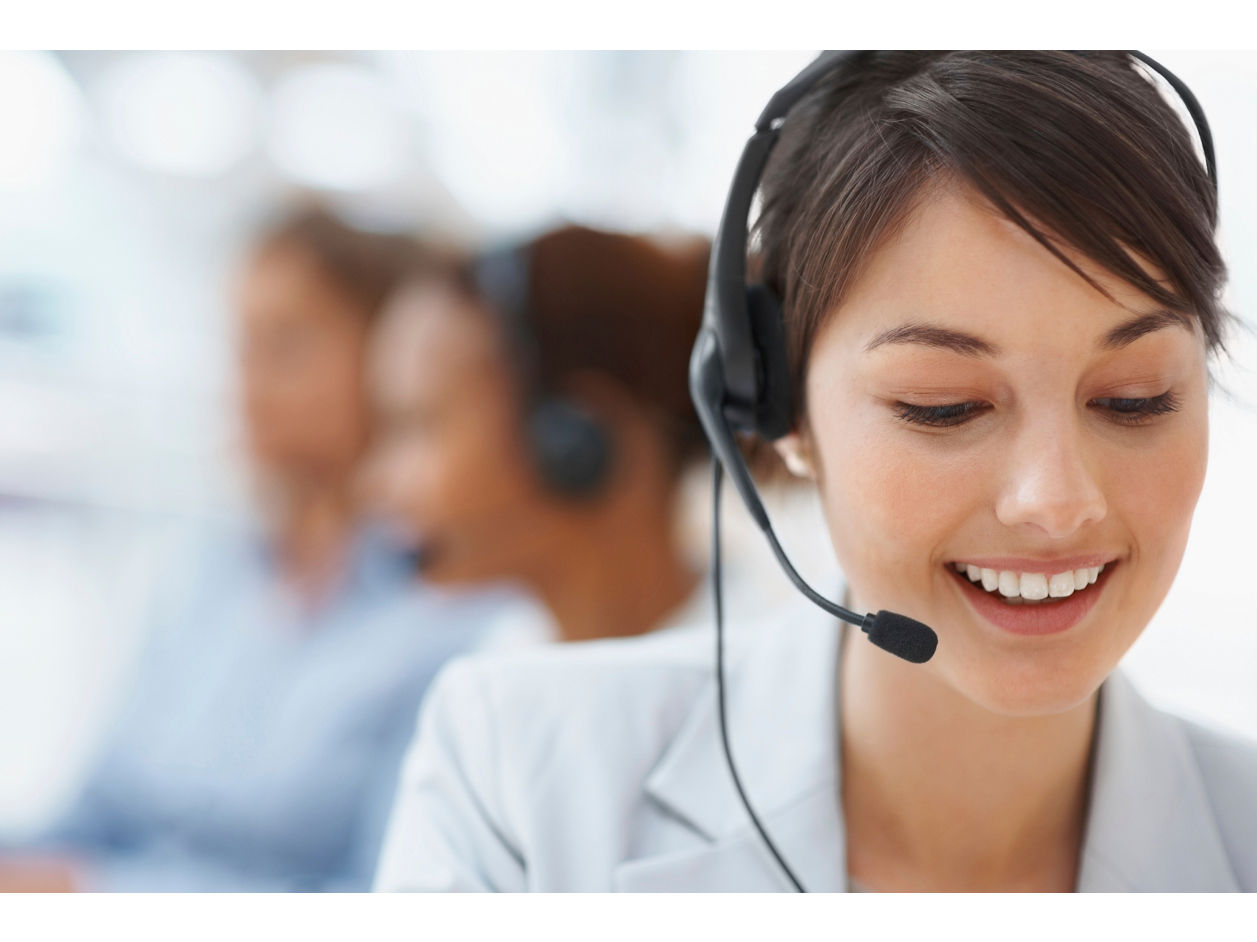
(570, 449)
(503, 278)
(725, 309)
(738, 374)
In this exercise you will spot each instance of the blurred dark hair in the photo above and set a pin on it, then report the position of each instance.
(367, 266)
(625, 306)
(1078, 147)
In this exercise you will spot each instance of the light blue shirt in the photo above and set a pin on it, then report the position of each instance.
(259, 747)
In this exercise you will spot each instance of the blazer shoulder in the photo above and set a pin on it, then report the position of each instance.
(641, 675)
(555, 685)
(1228, 768)
(527, 765)
(530, 767)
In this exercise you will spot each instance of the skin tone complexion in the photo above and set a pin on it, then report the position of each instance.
(1010, 456)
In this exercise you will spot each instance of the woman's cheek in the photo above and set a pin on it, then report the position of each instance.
(1158, 497)
(898, 500)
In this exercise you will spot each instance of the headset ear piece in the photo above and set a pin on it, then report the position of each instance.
(773, 413)
(571, 449)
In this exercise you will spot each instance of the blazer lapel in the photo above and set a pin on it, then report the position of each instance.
(787, 759)
(1150, 826)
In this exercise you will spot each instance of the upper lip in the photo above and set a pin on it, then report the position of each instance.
(1048, 566)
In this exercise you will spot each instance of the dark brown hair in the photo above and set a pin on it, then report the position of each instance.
(625, 306)
(1078, 147)
(366, 266)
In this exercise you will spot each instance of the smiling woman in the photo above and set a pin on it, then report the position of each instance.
(1055, 431)
(997, 288)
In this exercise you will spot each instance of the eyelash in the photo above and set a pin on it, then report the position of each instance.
(1123, 411)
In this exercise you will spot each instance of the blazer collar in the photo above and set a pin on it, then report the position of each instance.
(1150, 825)
(786, 755)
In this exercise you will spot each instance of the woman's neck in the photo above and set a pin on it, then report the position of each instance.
(312, 529)
(941, 794)
(618, 578)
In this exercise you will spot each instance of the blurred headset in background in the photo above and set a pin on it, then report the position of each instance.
(571, 451)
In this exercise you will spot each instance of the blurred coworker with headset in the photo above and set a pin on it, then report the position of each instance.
(260, 740)
(989, 294)
(535, 425)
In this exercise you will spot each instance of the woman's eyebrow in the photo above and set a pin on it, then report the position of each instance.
(931, 335)
(1127, 333)
(957, 341)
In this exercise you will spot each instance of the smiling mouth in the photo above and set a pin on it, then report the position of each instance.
(1064, 603)
(1029, 588)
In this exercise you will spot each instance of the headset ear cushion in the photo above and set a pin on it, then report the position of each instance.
(773, 413)
(571, 449)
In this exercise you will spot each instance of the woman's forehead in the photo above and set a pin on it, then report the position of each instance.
(432, 337)
(957, 264)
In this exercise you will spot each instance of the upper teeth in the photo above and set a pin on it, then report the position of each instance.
(1031, 585)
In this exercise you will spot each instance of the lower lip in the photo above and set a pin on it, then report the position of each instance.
(1047, 618)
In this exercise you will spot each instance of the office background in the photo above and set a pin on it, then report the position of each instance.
(131, 182)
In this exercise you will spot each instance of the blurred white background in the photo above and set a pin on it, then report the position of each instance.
(130, 181)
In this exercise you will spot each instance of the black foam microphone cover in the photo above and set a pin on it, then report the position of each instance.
(901, 636)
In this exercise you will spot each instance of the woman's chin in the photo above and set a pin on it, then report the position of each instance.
(1015, 674)
(1021, 683)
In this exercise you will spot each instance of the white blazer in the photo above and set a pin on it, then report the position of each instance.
(598, 767)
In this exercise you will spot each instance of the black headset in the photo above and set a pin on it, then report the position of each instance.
(740, 383)
(570, 449)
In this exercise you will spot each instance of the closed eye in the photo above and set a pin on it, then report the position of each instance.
(939, 416)
(1123, 411)
(1137, 411)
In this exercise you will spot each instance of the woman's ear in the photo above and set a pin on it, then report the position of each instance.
(796, 452)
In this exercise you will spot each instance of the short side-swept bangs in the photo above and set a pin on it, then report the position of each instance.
(1075, 148)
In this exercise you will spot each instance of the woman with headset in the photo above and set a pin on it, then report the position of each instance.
(535, 427)
(988, 303)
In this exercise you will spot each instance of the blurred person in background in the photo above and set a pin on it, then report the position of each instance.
(260, 740)
(535, 425)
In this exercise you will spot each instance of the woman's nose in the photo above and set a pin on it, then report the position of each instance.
(1049, 483)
